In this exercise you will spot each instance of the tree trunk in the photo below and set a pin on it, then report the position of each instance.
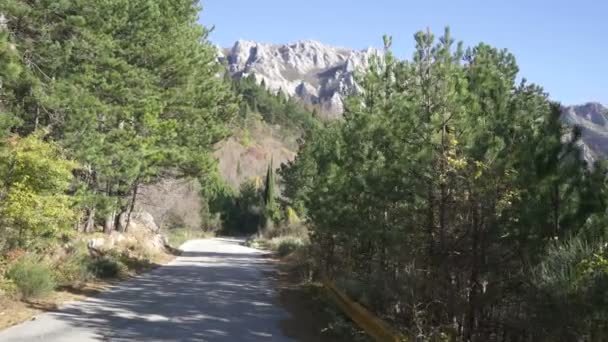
(109, 224)
(131, 207)
(90, 224)
(37, 118)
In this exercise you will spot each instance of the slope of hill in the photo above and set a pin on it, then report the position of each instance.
(247, 154)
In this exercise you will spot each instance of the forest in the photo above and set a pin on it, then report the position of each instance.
(450, 199)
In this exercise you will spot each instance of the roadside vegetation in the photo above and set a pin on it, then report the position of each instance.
(453, 202)
(98, 103)
(450, 200)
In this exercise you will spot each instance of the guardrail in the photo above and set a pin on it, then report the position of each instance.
(372, 325)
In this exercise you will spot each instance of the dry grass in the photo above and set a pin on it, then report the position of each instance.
(14, 311)
(178, 236)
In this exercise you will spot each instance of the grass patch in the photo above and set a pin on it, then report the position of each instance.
(281, 245)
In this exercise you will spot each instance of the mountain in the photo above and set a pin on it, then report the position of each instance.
(319, 74)
(592, 118)
(323, 76)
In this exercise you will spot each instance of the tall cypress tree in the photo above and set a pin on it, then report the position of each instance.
(271, 209)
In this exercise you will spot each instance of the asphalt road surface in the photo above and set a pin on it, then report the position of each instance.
(215, 291)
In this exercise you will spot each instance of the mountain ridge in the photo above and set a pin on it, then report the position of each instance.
(323, 76)
(319, 74)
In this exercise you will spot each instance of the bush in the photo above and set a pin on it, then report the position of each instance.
(108, 267)
(282, 245)
(74, 268)
(32, 278)
(288, 246)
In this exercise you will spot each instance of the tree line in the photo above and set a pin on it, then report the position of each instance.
(453, 202)
(97, 99)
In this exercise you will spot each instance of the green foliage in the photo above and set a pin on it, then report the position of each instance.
(442, 190)
(74, 268)
(35, 207)
(129, 89)
(254, 209)
(275, 108)
(272, 213)
(572, 280)
(109, 266)
(288, 246)
(32, 277)
(243, 213)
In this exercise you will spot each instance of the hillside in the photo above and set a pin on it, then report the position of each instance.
(247, 154)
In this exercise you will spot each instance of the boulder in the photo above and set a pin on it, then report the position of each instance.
(139, 220)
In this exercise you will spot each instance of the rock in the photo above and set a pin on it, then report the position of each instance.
(592, 120)
(139, 220)
(147, 221)
(316, 73)
(96, 243)
(158, 241)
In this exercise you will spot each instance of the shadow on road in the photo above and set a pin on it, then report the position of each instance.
(204, 296)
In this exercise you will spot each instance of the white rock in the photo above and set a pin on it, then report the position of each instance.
(314, 72)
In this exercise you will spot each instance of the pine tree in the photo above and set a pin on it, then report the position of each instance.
(446, 183)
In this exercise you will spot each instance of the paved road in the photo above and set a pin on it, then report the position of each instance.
(215, 291)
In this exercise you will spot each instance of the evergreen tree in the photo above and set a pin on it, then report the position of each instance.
(134, 80)
(444, 188)
(271, 208)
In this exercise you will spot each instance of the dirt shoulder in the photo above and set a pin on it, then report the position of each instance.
(313, 318)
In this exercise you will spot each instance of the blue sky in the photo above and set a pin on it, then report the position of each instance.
(560, 45)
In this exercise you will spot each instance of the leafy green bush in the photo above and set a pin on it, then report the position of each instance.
(32, 278)
(35, 209)
(108, 267)
(288, 246)
(76, 268)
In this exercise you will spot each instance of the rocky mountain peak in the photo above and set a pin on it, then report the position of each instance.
(592, 119)
(319, 74)
(323, 76)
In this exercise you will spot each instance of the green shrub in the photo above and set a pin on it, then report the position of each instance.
(285, 245)
(288, 246)
(73, 270)
(107, 267)
(32, 278)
